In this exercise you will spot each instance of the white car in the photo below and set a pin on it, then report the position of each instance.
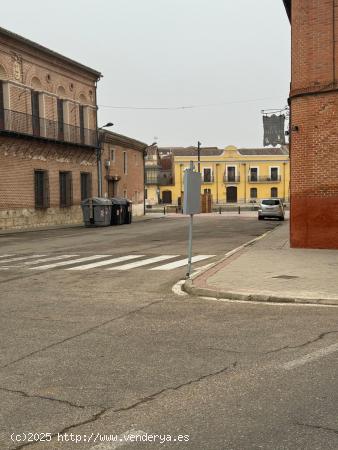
(271, 208)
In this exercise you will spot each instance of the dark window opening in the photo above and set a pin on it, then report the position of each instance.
(274, 173)
(86, 185)
(41, 184)
(66, 194)
(274, 192)
(254, 174)
(253, 193)
(60, 119)
(231, 172)
(35, 113)
(82, 131)
(207, 175)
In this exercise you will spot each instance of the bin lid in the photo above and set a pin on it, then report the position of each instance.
(97, 201)
(119, 201)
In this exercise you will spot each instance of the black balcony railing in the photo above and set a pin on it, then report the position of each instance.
(232, 178)
(39, 127)
(208, 179)
(160, 180)
(266, 179)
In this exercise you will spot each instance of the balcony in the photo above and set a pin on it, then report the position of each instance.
(14, 122)
(232, 178)
(256, 179)
(208, 179)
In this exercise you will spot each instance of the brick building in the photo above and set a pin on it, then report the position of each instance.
(48, 134)
(123, 170)
(314, 123)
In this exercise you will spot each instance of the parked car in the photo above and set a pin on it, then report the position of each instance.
(271, 207)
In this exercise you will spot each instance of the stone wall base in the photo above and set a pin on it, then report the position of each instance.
(22, 218)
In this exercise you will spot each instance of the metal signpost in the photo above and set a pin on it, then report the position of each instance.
(191, 203)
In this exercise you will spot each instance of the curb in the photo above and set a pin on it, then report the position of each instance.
(189, 287)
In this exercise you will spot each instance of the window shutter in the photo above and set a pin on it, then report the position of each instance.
(46, 200)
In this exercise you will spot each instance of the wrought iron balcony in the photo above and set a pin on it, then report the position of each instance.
(232, 178)
(208, 179)
(265, 179)
(38, 127)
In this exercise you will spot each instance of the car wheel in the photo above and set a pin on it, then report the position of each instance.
(281, 218)
(260, 218)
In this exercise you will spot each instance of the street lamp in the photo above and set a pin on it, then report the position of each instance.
(144, 174)
(98, 158)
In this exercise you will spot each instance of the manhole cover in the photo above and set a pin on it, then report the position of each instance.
(285, 277)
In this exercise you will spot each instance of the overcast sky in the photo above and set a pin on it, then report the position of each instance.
(233, 56)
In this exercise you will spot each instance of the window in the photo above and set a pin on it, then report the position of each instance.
(82, 130)
(125, 163)
(35, 113)
(146, 194)
(60, 119)
(274, 173)
(66, 194)
(231, 173)
(274, 192)
(86, 185)
(41, 183)
(2, 111)
(253, 173)
(207, 175)
(112, 154)
(207, 191)
(253, 193)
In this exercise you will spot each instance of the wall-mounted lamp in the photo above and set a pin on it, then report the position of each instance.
(295, 128)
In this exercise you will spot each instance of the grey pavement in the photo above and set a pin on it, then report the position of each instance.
(269, 270)
(103, 352)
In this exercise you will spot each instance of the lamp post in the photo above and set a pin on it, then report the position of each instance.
(98, 158)
(144, 174)
(199, 155)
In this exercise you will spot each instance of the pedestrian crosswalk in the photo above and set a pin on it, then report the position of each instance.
(76, 262)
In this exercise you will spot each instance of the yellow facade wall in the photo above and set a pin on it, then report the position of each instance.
(243, 185)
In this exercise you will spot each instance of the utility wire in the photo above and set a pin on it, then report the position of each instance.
(173, 108)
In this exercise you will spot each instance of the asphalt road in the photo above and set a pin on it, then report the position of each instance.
(100, 352)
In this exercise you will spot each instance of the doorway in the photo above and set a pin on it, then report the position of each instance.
(231, 194)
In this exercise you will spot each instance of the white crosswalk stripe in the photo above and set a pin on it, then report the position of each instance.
(105, 263)
(45, 262)
(21, 258)
(51, 258)
(182, 262)
(144, 262)
(68, 263)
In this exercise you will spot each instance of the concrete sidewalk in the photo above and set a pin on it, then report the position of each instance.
(269, 270)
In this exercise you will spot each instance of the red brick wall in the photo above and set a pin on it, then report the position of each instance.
(314, 147)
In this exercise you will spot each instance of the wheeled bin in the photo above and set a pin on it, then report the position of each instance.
(96, 211)
(118, 211)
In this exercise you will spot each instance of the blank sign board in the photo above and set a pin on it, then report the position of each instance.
(192, 192)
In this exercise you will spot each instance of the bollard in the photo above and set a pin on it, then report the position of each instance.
(220, 210)
(176, 210)
(239, 210)
(164, 210)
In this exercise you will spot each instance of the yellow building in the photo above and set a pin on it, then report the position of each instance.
(233, 175)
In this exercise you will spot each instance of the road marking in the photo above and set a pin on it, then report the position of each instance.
(120, 440)
(106, 262)
(51, 258)
(5, 256)
(310, 357)
(177, 289)
(145, 262)
(182, 262)
(21, 258)
(68, 263)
